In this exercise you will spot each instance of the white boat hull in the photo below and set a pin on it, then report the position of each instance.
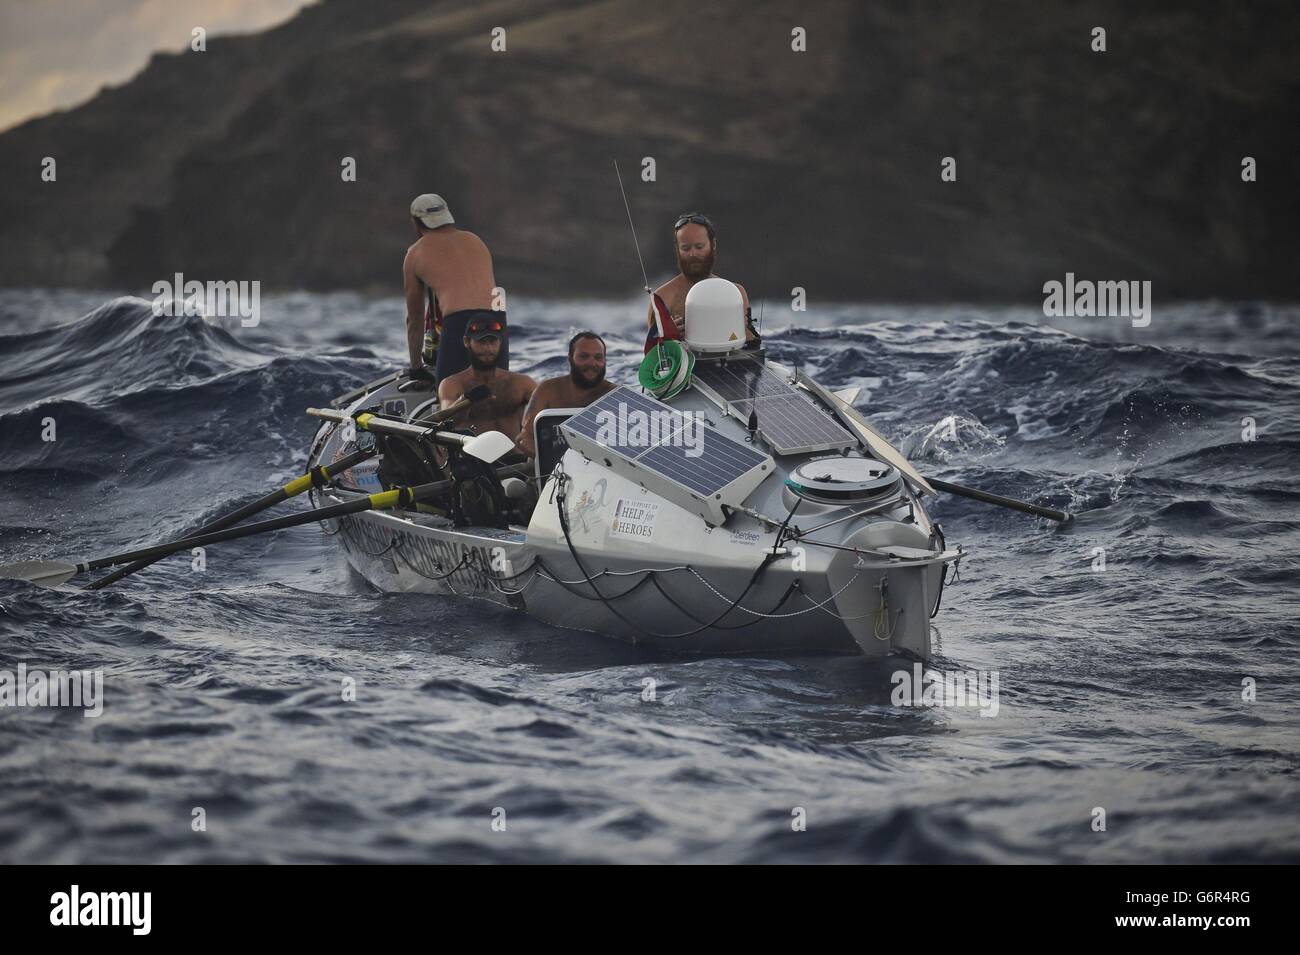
(664, 577)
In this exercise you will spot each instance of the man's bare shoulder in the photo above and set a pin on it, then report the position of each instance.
(550, 389)
(454, 385)
(524, 384)
(469, 240)
(420, 256)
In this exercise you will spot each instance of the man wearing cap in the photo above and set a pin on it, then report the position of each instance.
(483, 341)
(448, 281)
(584, 383)
(695, 243)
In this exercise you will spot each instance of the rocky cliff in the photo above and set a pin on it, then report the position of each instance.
(821, 168)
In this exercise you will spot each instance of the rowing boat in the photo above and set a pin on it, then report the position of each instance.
(752, 511)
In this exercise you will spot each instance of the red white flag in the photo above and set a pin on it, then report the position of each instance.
(664, 328)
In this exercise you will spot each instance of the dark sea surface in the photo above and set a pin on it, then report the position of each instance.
(1120, 688)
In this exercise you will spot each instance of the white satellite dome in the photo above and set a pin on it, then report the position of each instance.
(715, 316)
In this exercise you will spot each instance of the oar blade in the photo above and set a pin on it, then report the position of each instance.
(489, 446)
(46, 573)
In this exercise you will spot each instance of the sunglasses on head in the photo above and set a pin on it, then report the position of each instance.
(480, 327)
(698, 218)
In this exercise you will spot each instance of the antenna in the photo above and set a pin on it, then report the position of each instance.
(645, 278)
(663, 360)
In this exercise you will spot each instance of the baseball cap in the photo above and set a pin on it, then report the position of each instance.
(484, 327)
(432, 210)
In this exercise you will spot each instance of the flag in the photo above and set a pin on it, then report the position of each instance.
(664, 328)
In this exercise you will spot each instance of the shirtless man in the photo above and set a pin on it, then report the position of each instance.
(583, 385)
(696, 244)
(483, 340)
(448, 281)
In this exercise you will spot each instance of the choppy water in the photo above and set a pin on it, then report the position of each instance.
(1120, 689)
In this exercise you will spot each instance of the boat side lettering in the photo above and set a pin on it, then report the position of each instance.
(634, 520)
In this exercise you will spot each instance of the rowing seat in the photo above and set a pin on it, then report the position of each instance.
(549, 441)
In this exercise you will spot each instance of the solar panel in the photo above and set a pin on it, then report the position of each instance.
(792, 424)
(787, 419)
(739, 379)
(597, 415)
(667, 451)
(722, 460)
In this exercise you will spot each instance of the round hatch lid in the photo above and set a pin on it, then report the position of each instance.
(843, 479)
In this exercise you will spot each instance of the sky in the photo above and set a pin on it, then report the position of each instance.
(59, 53)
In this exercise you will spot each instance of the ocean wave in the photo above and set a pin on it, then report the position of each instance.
(224, 686)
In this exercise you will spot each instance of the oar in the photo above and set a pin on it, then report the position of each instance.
(474, 395)
(51, 573)
(885, 451)
(976, 495)
(487, 446)
(316, 477)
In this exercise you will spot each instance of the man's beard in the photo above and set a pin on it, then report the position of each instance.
(696, 268)
(582, 382)
(480, 364)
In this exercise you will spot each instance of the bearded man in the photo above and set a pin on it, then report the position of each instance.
(483, 341)
(695, 243)
(584, 383)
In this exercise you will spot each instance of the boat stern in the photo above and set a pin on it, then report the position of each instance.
(888, 587)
